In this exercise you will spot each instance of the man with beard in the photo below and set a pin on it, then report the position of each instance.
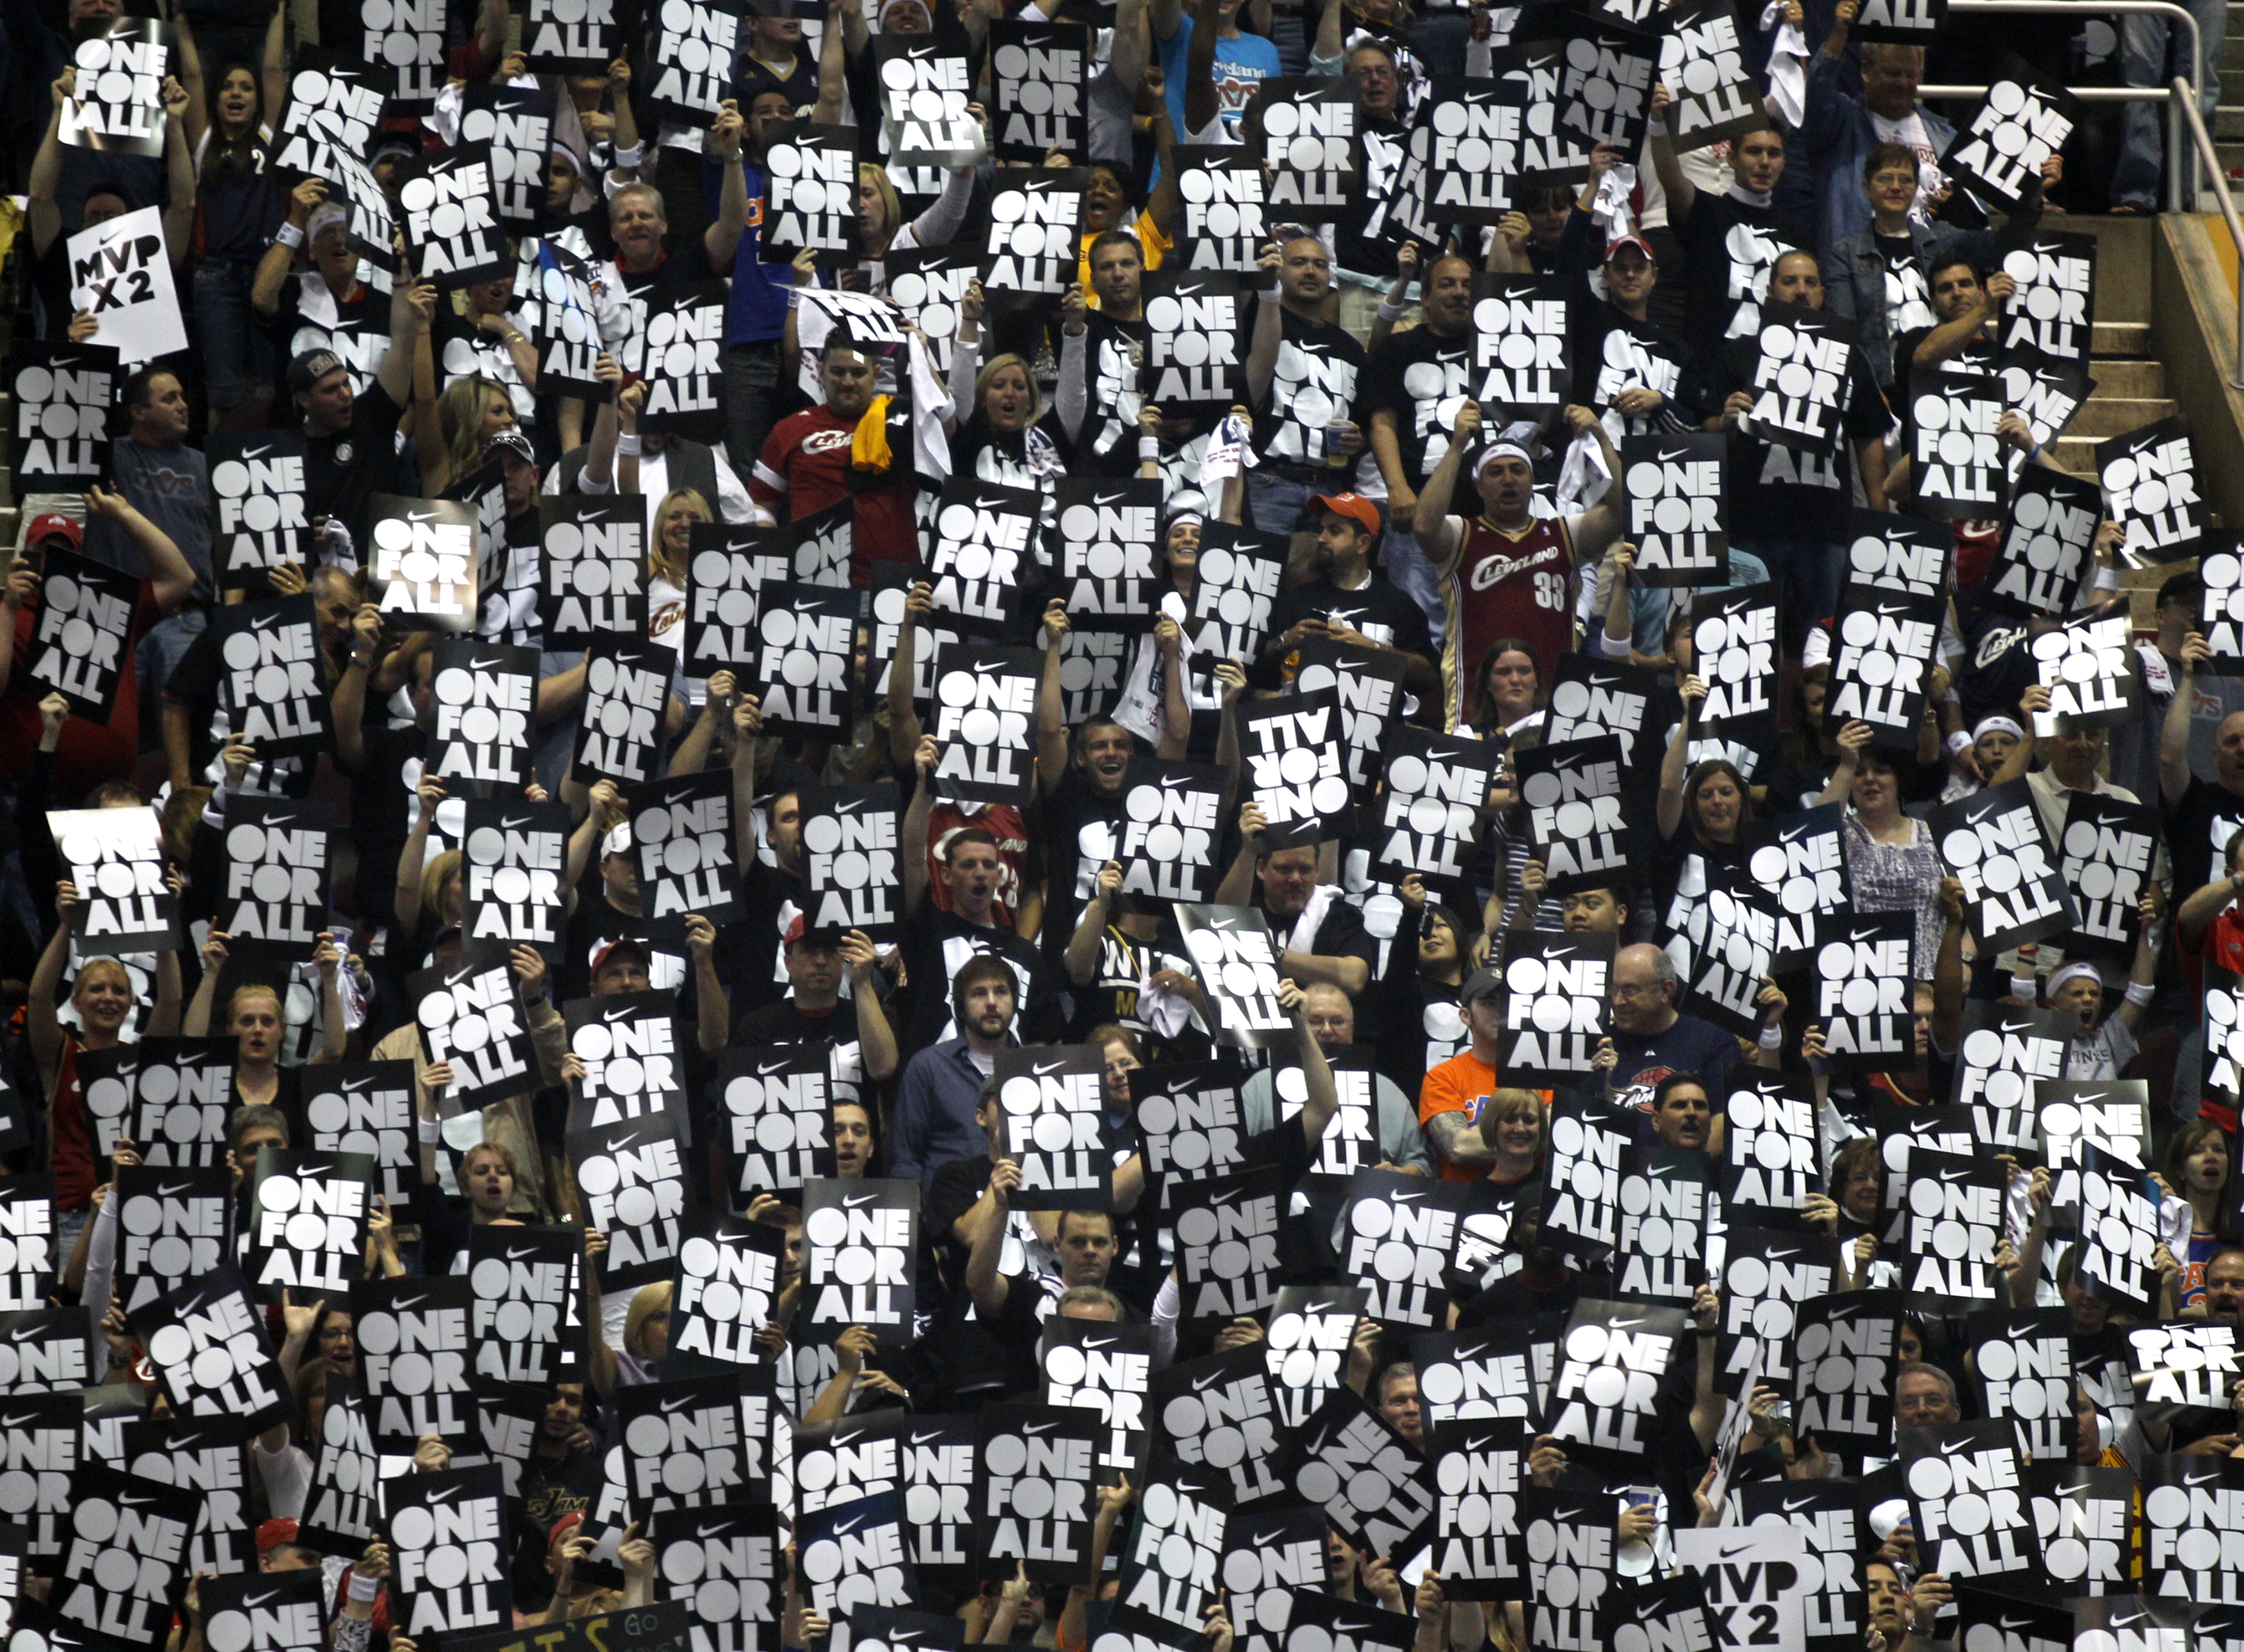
(938, 1115)
(1414, 383)
(1348, 603)
(1321, 937)
(1117, 344)
(809, 463)
(938, 941)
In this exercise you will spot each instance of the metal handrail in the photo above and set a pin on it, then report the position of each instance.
(2204, 142)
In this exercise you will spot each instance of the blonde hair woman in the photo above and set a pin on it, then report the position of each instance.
(254, 1019)
(471, 410)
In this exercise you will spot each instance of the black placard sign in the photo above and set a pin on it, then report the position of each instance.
(858, 1554)
(2022, 1363)
(1604, 85)
(448, 1547)
(928, 284)
(422, 570)
(2023, 122)
(1767, 1277)
(1032, 1489)
(926, 87)
(553, 297)
(1311, 144)
(333, 108)
(986, 712)
(686, 1443)
(1032, 247)
(1464, 150)
(1734, 957)
(1227, 1235)
(1901, 1131)
(730, 1589)
(64, 393)
(1995, 844)
(1107, 549)
(1474, 1375)
(1221, 1412)
(1713, 94)
(407, 37)
(1610, 1362)
(1399, 1235)
(258, 516)
(43, 1351)
(307, 1212)
(1190, 1125)
(523, 1319)
(1664, 1204)
(852, 871)
(983, 537)
(1317, 1619)
(1863, 968)
(451, 222)
(170, 1096)
(2049, 315)
(1556, 991)
(591, 567)
(633, 1176)
(2150, 490)
(469, 1014)
(81, 643)
(1733, 638)
(270, 682)
(207, 1341)
(1881, 663)
(1801, 385)
(118, 106)
(1844, 1352)
(1237, 958)
(778, 1105)
(807, 638)
(207, 1456)
(1221, 200)
(626, 691)
(1593, 1140)
(2221, 608)
(1954, 1210)
(1371, 1483)
(683, 360)
(27, 1242)
(1805, 868)
(2007, 1052)
(1039, 76)
(725, 1288)
(115, 858)
(1522, 358)
(1675, 515)
(1958, 467)
(2118, 1229)
(516, 122)
(44, 1432)
(859, 1241)
(2047, 535)
(274, 902)
(513, 857)
(414, 1349)
(1306, 1345)
(172, 1227)
(811, 170)
(692, 48)
(2112, 1114)
(1907, 22)
(686, 843)
(1052, 1104)
(628, 1044)
(570, 36)
(1367, 685)
(1575, 813)
(732, 566)
(1430, 812)
(2083, 1517)
(265, 1612)
(1233, 592)
(1104, 1369)
(1593, 697)
(2046, 392)
(126, 1558)
(1478, 1467)
(1171, 831)
(2224, 1035)
(1897, 556)
(1965, 1487)
(1192, 354)
(1170, 1570)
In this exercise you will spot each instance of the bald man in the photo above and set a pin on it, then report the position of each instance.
(1651, 1038)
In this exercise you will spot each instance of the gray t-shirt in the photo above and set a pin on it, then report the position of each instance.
(171, 487)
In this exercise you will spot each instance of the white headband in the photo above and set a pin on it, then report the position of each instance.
(1997, 724)
(2072, 972)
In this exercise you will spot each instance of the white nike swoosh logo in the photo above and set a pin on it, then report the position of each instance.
(1669, 458)
(257, 452)
(447, 1494)
(263, 622)
(1040, 1070)
(486, 664)
(173, 1192)
(671, 1406)
(611, 1016)
(1949, 1448)
(852, 1201)
(922, 1439)
(515, 1255)
(1791, 1508)
(515, 825)
(984, 667)
(1200, 1385)
(1621, 1324)
(356, 1085)
(1038, 1428)
(419, 516)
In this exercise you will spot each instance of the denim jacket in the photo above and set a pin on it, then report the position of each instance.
(1855, 274)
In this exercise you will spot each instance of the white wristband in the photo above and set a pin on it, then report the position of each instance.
(2106, 579)
(627, 161)
(288, 235)
(431, 1131)
(627, 445)
(1389, 311)
(2140, 994)
(2025, 987)
(1149, 448)
(364, 1590)
(1270, 294)
(1959, 743)
(1771, 1038)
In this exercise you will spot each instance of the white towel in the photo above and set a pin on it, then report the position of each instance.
(1583, 476)
(1304, 935)
(1787, 64)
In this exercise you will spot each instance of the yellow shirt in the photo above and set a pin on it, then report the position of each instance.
(1151, 242)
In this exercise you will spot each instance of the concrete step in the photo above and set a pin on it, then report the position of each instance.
(2115, 415)
(2078, 454)
(2229, 119)
(2121, 338)
(2116, 377)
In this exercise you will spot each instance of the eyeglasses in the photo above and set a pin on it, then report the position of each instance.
(1629, 991)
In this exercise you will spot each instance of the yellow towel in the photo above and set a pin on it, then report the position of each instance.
(868, 448)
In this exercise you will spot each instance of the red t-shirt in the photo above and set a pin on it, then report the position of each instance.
(72, 1160)
(89, 753)
(806, 461)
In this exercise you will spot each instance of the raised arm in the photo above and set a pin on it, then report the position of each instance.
(913, 833)
(411, 306)
(1682, 194)
(1431, 514)
(903, 714)
(1082, 956)
(722, 238)
(1052, 723)
(178, 175)
(1601, 524)
(42, 216)
(169, 571)
(2173, 733)
(1269, 326)
(1202, 103)
(1672, 766)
